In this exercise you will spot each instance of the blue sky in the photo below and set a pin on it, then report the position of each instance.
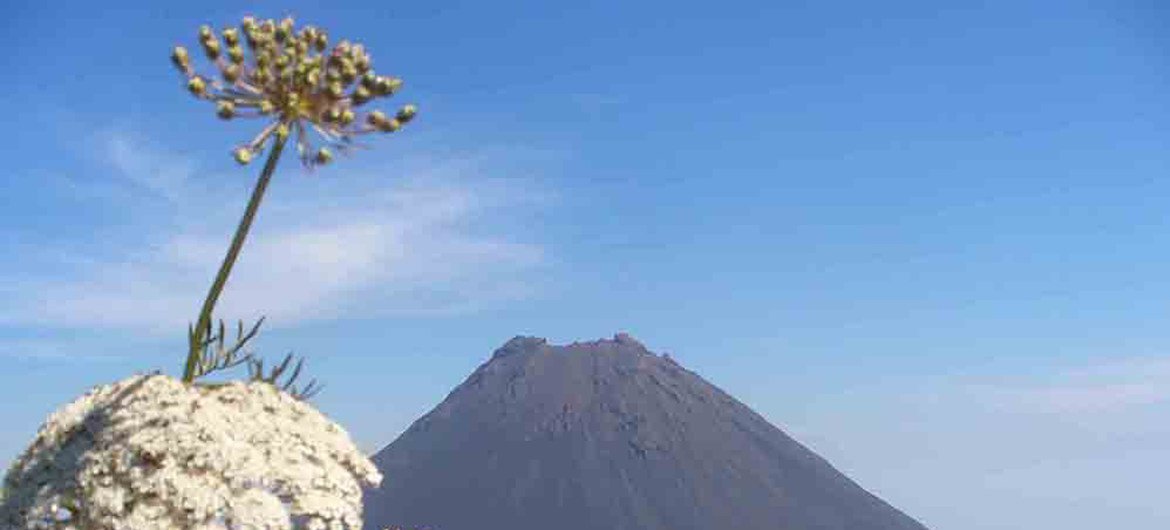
(928, 241)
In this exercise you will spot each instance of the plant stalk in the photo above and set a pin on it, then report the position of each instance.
(225, 268)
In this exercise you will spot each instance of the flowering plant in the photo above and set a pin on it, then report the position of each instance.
(154, 452)
(288, 80)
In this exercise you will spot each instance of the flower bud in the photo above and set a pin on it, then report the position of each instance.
(205, 33)
(324, 156)
(322, 41)
(362, 63)
(236, 54)
(225, 109)
(266, 107)
(390, 125)
(361, 95)
(197, 86)
(375, 117)
(211, 48)
(347, 117)
(335, 90)
(231, 36)
(386, 86)
(370, 81)
(243, 155)
(231, 73)
(406, 113)
(348, 71)
(261, 76)
(181, 59)
(282, 131)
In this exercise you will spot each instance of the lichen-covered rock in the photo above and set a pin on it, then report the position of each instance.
(152, 453)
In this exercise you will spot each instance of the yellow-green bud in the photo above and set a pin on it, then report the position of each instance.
(231, 36)
(231, 73)
(331, 115)
(323, 156)
(335, 90)
(266, 107)
(268, 26)
(390, 125)
(205, 32)
(312, 77)
(386, 86)
(261, 76)
(243, 155)
(406, 113)
(362, 63)
(375, 117)
(211, 48)
(347, 117)
(282, 131)
(361, 95)
(348, 71)
(225, 109)
(370, 80)
(322, 41)
(181, 59)
(249, 22)
(236, 54)
(197, 86)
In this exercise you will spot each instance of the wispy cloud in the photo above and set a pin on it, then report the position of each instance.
(1104, 387)
(415, 239)
(55, 349)
(146, 165)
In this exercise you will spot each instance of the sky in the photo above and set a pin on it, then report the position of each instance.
(929, 240)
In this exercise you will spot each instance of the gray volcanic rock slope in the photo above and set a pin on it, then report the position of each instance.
(607, 436)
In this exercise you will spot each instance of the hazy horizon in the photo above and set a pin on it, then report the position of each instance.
(928, 242)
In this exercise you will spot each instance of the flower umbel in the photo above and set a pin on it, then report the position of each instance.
(291, 77)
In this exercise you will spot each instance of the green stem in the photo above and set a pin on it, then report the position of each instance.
(228, 261)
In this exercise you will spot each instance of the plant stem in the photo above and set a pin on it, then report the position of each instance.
(228, 261)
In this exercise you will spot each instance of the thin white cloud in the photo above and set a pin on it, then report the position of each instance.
(55, 349)
(1105, 387)
(334, 244)
(146, 165)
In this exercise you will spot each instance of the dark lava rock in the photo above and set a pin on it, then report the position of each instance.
(606, 435)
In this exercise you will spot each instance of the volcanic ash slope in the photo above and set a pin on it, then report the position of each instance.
(606, 435)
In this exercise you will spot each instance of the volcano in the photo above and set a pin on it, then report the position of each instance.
(606, 435)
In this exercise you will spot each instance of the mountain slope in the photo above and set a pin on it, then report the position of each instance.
(605, 435)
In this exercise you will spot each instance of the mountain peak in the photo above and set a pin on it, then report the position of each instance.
(605, 435)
